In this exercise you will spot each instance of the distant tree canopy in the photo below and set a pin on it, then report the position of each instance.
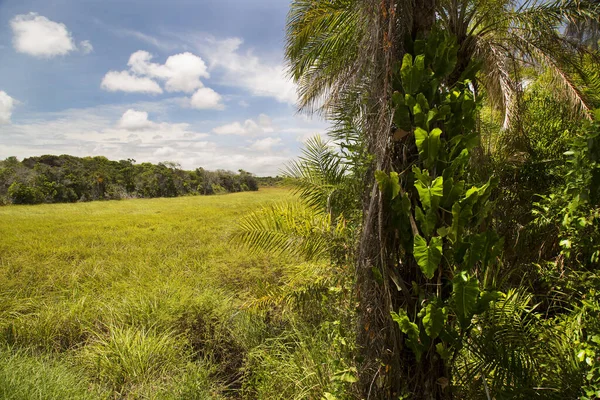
(64, 178)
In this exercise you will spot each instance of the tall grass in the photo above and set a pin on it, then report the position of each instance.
(24, 376)
(129, 299)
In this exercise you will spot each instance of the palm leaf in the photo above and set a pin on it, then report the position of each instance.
(289, 227)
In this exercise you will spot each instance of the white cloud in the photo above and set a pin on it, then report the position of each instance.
(247, 128)
(206, 98)
(265, 144)
(234, 128)
(114, 81)
(86, 47)
(248, 71)
(182, 72)
(6, 106)
(134, 120)
(38, 36)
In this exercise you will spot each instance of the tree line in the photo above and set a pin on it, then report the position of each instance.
(65, 178)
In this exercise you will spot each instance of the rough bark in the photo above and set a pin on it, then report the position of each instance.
(389, 369)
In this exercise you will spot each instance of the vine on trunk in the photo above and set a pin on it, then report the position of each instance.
(441, 221)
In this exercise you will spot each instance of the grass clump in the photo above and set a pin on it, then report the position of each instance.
(125, 358)
(24, 376)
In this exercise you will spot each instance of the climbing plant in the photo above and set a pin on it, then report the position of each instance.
(440, 218)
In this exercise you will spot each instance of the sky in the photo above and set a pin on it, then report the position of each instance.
(199, 82)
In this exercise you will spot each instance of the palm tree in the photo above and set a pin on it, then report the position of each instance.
(328, 51)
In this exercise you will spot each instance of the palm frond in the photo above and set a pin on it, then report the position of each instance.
(289, 227)
(508, 350)
(308, 281)
(318, 175)
(322, 49)
(496, 77)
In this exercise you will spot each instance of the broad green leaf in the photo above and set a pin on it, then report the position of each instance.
(398, 98)
(388, 184)
(430, 196)
(433, 318)
(423, 103)
(452, 192)
(433, 147)
(394, 184)
(427, 221)
(411, 330)
(422, 175)
(461, 214)
(428, 144)
(465, 290)
(406, 72)
(382, 180)
(406, 326)
(409, 101)
(412, 74)
(419, 117)
(420, 139)
(444, 352)
(428, 256)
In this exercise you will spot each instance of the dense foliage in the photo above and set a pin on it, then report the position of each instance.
(59, 179)
(470, 186)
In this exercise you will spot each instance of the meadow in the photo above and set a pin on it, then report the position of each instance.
(130, 299)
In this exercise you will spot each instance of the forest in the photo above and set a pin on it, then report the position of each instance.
(61, 179)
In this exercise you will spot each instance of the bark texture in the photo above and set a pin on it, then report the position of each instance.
(388, 368)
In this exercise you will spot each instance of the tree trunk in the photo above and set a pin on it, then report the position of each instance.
(388, 368)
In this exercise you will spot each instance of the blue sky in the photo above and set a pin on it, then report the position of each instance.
(201, 83)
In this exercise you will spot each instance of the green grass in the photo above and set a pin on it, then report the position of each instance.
(128, 299)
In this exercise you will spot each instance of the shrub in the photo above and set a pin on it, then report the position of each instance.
(20, 193)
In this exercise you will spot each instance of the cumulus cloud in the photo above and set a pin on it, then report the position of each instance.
(124, 81)
(182, 72)
(248, 71)
(6, 106)
(249, 127)
(206, 98)
(134, 120)
(265, 144)
(38, 36)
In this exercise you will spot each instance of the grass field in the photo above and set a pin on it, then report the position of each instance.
(128, 299)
